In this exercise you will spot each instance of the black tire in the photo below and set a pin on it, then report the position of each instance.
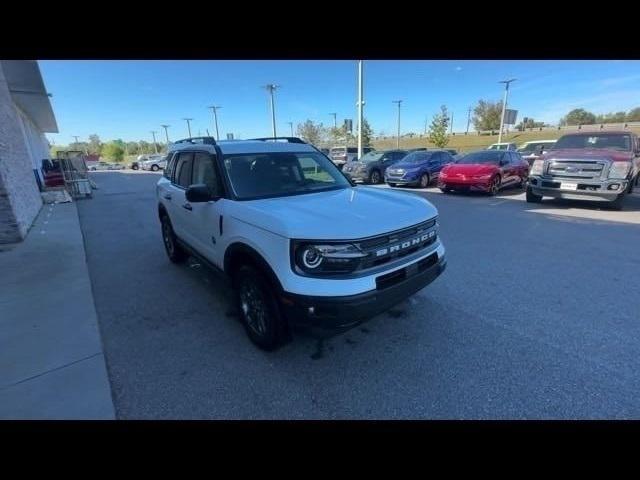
(375, 177)
(495, 186)
(532, 197)
(391, 184)
(616, 205)
(134, 167)
(258, 309)
(425, 180)
(445, 190)
(155, 168)
(174, 251)
(523, 183)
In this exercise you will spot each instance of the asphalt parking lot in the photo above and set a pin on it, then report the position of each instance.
(537, 316)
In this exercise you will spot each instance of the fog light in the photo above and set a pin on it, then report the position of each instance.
(614, 186)
(312, 310)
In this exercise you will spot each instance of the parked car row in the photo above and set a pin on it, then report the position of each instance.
(105, 166)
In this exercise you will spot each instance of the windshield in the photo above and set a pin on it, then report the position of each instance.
(486, 156)
(610, 141)
(497, 146)
(371, 157)
(416, 157)
(281, 174)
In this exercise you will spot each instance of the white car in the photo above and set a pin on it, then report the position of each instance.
(502, 146)
(534, 149)
(299, 242)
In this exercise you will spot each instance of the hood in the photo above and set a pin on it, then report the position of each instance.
(409, 165)
(469, 169)
(350, 213)
(595, 154)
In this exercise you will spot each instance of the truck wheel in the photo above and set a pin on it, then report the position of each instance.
(532, 197)
(174, 251)
(155, 168)
(617, 203)
(258, 309)
(374, 177)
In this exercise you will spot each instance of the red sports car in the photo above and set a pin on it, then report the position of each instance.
(486, 171)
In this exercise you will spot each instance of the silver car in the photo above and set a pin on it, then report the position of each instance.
(154, 163)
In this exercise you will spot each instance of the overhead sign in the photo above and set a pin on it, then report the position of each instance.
(510, 117)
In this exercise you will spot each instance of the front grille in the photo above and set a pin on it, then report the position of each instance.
(576, 169)
(389, 279)
(385, 248)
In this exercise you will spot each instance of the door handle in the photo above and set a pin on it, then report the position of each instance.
(167, 196)
(187, 206)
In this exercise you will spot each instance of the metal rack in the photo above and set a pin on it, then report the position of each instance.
(75, 173)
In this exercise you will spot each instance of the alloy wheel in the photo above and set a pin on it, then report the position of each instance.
(253, 307)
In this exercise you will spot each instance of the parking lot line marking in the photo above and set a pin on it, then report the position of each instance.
(498, 203)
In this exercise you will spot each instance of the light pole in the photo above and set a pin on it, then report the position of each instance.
(451, 126)
(214, 109)
(188, 120)
(155, 145)
(335, 120)
(291, 126)
(360, 106)
(504, 104)
(271, 88)
(166, 134)
(398, 102)
(468, 120)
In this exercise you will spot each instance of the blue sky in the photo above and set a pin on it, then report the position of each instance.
(128, 99)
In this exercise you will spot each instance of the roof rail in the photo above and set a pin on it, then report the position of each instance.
(198, 140)
(288, 139)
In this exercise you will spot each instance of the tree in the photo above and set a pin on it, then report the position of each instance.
(367, 133)
(530, 123)
(487, 115)
(618, 117)
(438, 128)
(113, 151)
(633, 115)
(95, 145)
(578, 116)
(310, 132)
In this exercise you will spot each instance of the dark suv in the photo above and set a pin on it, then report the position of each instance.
(371, 167)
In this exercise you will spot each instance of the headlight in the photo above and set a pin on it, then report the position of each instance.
(537, 167)
(619, 169)
(322, 258)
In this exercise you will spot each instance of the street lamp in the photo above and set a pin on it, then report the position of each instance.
(188, 120)
(504, 104)
(155, 145)
(291, 126)
(271, 88)
(166, 134)
(398, 102)
(360, 106)
(214, 109)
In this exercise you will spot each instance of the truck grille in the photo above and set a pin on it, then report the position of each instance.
(582, 169)
(385, 248)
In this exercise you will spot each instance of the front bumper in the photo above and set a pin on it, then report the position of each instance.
(404, 180)
(343, 312)
(593, 190)
(467, 184)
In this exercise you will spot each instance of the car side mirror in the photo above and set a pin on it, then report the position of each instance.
(198, 193)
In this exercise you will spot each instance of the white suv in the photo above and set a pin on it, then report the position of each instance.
(299, 242)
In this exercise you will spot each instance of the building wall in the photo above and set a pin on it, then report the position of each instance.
(20, 199)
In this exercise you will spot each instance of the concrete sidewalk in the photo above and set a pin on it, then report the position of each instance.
(51, 360)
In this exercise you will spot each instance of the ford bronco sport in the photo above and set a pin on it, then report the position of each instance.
(300, 243)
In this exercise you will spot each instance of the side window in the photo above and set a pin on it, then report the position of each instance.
(182, 176)
(204, 172)
(168, 171)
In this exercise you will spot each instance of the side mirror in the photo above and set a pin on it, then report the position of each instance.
(198, 193)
